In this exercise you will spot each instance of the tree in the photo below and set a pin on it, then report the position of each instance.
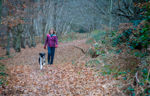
(18, 38)
(37, 16)
(8, 39)
(0, 10)
(127, 9)
(55, 15)
(110, 17)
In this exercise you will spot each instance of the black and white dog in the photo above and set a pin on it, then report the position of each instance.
(41, 60)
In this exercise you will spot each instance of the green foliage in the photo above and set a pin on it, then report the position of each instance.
(89, 41)
(1, 58)
(10, 56)
(135, 38)
(92, 63)
(132, 39)
(3, 74)
(108, 69)
(97, 35)
(2, 45)
(69, 37)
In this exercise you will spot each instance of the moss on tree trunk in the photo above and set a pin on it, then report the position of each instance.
(18, 38)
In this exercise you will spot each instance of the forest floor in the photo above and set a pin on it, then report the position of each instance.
(63, 78)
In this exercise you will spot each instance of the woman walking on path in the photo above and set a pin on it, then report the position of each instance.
(52, 44)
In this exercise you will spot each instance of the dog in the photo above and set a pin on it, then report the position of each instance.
(42, 60)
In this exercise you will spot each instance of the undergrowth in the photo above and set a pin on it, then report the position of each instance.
(123, 65)
(3, 74)
(70, 36)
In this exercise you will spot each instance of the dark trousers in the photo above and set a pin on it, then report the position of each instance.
(51, 52)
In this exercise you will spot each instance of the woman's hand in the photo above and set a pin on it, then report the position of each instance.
(56, 46)
(44, 47)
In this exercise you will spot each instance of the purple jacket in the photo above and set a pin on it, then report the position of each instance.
(52, 41)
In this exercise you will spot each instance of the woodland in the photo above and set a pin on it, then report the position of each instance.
(103, 47)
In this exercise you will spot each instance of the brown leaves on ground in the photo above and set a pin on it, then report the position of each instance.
(61, 78)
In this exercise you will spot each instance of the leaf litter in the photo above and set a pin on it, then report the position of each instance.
(60, 79)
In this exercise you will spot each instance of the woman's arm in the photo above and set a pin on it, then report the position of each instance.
(46, 41)
(56, 41)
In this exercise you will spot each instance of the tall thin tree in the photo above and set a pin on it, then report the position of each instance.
(0, 10)
(110, 16)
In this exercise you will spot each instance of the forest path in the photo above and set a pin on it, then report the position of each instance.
(60, 79)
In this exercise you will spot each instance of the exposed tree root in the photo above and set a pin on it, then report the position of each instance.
(83, 51)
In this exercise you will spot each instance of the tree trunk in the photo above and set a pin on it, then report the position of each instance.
(18, 39)
(136, 13)
(18, 42)
(0, 10)
(44, 35)
(137, 9)
(95, 24)
(121, 19)
(23, 41)
(110, 17)
(8, 42)
(14, 36)
(29, 44)
(33, 39)
(32, 36)
(14, 40)
(55, 15)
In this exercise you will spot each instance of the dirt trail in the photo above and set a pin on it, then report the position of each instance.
(60, 79)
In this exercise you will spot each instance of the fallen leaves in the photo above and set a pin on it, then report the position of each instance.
(62, 78)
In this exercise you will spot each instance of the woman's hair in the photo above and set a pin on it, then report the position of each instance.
(53, 31)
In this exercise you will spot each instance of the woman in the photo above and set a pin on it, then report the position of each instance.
(52, 44)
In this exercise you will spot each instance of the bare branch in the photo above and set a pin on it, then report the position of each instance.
(80, 49)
